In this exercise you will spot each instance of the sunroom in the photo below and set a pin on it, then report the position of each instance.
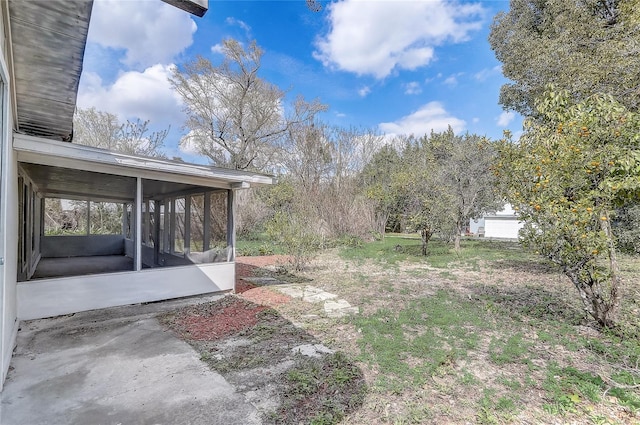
(100, 229)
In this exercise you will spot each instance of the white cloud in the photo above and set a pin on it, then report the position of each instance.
(412, 88)
(146, 95)
(149, 32)
(364, 91)
(188, 144)
(239, 23)
(377, 37)
(451, 81)
(217, 48)
(505, 118)
(485, 73)
(431, 116)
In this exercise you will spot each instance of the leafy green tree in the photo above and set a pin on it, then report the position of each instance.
(426, 205)
(438, 184)
(584, 46)
(626, 227)
(377, 179)
(566, 175)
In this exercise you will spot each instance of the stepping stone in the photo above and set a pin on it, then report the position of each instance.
(309, 294)
(292, 291)
(314, 295)
(339, 308)
(312, 350)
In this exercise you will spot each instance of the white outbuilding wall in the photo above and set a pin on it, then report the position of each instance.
(503, 224)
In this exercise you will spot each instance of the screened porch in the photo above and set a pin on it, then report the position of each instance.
(100, 229)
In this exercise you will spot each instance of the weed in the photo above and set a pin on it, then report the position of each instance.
(512, 384)
(320, 391)
(511, 350)
(416, 413)
(567, 387)
(493, 409)
(448, 275)
(468, 379)
(413, 343)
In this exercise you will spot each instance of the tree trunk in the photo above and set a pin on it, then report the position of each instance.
(381, 221)
(426, 235)
(614, 269)
(604, 309)
(457, 237)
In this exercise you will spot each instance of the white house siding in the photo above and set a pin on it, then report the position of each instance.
(8, 211)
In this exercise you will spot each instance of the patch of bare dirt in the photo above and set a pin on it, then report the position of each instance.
(263, 261)
(265, 296)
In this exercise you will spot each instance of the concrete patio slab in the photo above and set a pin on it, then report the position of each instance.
(115, 366)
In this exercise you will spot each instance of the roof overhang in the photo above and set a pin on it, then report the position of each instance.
(195, 7)
(40, 151)
(48, 40)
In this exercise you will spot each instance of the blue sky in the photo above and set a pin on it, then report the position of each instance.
(399, 67)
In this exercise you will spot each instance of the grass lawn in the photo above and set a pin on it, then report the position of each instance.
(490, 335)
(258, 244)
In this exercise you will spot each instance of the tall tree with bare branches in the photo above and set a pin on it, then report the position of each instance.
(103, 130)
(235, 118)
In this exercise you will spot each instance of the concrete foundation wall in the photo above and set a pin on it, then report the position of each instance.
(53, 297)
(82, 246)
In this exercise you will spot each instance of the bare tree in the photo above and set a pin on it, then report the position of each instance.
(354, 149)
(307, 156)
(103, 130)
(466, 175)
(235, 118)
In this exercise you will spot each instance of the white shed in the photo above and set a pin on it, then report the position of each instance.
(503, 224)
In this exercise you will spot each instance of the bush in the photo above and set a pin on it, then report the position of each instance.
(291, 230)
(627, 229)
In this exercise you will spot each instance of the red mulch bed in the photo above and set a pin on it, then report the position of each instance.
(230, 315)
(265, 296)
(217, 320)
(247, 267)
(263, 260)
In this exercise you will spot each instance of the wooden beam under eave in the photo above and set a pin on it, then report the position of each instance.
(195, 7)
